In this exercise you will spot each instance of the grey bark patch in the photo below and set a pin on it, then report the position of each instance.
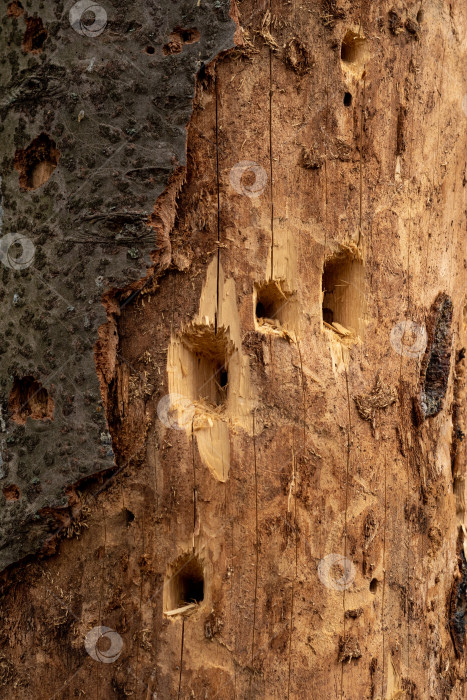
(117, 114)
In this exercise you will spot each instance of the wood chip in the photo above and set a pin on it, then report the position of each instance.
(179, 611)
(337, 328)
(340, 329)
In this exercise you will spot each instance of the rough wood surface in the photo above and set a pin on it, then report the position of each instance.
(311, 502)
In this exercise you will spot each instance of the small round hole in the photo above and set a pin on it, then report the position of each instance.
(347, 99)
(150, 50)
(374, 585)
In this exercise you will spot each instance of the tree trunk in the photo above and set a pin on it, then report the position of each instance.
(232, 371)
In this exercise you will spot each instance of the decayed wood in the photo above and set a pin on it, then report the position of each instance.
(332, 545)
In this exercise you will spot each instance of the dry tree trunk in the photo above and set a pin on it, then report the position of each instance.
(282, 360)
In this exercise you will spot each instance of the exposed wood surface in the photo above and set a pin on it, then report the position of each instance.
(320, 508)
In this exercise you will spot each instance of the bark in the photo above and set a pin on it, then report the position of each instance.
(276, 346)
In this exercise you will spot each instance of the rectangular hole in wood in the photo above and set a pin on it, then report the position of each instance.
(185, 583)
(274, 308)
(343, 294)
(354, 49)
(208, 375)
(212, 380)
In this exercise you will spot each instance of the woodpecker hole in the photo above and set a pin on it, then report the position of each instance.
(343, 294)
(29, 399)
(354, 49)
(37, 162)
(209, 364)
(274, 308)
(184, 583)
(178, 38)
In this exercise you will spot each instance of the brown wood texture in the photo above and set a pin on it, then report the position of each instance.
(288, 475)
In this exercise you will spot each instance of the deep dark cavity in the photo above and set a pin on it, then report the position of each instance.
(186, 585)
